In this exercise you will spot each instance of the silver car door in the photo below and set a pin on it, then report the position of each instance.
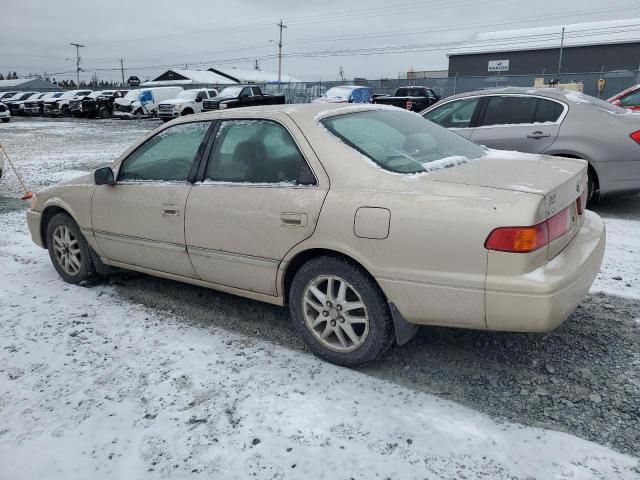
(519, 122)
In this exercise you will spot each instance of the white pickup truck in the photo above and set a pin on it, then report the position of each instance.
(187, 103)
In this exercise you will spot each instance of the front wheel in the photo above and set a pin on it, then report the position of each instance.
(104, 113)
(340, 311)
(68, 249)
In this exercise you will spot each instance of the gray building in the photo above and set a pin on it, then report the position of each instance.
(588, 47)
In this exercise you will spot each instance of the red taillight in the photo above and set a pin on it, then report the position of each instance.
(518, 239)
(636, 136)
(528, 239)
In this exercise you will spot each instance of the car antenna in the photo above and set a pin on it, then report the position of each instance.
(27, 194)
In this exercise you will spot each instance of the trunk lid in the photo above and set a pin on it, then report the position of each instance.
(558, 181)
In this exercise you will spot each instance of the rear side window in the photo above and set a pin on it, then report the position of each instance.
(548, 111)
(255, 151)
(456, 114)
(509, 110)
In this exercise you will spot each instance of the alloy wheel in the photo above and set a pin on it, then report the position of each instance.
(335, 313)
(67, 250)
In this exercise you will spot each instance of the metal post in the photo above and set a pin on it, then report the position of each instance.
(560, 57)
(122, 70)
(78, 47)
(455, 82)
(281, 25)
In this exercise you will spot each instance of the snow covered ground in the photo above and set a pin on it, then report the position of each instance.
(95, 386)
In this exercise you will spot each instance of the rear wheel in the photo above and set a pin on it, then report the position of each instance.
(68, 249)
(104, 112)
(340, 312)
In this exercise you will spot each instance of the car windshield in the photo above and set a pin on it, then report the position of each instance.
(338, 92)
(402, 142)
(132, 95)
(57, 95)
(188, 94)
(231, 92)
(70, 94)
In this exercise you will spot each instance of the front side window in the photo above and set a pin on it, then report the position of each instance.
(168, 156)
(511, 110)
(254, 151)
(202, 95)
(402, 142)
(456, 114)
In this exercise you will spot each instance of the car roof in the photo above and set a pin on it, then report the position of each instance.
(557, 93)
(303, 111)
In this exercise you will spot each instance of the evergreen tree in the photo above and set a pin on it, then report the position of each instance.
(1, 77)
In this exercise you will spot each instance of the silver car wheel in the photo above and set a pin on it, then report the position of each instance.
(335, 313)
(67, 250)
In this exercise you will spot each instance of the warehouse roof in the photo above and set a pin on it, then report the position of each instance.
(576, 35)
(177, 76)
(252, 76)
(27, 84)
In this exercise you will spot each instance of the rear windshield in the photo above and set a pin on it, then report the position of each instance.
(577, 97)
(411, 92)
(402, 142)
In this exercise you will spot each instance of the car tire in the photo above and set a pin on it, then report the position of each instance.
(336, 328)
(186, 111)
(104, 113)
(6, 120)
(591, 186)
(68, 249)
(138, 114)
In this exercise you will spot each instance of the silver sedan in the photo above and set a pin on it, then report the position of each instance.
(554, 122)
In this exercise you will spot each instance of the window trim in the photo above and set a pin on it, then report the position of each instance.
(194, 167)
(483, 102)
(206, 156)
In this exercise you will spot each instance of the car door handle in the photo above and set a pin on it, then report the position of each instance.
(538, 134)
(170, 212)
(294, 219)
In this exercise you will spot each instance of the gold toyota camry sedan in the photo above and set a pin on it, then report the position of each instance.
(367, 221)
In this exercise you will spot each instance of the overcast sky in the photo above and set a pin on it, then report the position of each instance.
(367, 38)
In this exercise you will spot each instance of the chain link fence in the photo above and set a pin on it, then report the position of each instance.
(614, 82)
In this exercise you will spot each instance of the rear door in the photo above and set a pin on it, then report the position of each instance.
(457, 115)
(518, 122)
(261, 194)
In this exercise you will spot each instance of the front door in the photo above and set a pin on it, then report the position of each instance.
(140, 220)
(518, 122)
(259, 198)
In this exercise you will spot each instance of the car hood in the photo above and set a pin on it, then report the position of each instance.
(176, 101)
(123, 101)
(559, 180)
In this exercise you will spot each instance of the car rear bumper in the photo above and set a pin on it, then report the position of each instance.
(541, 300)
(33, 222)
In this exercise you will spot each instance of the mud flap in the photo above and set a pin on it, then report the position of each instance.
(405, 331)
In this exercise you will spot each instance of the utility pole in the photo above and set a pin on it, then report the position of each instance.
(256, 65)
(122, 70)
(560, 57)
(78, 47)
(341, 73)
(281, 25)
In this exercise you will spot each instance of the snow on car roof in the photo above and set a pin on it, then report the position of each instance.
(576, 35)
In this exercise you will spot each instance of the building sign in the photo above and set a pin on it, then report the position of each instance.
(498, 65)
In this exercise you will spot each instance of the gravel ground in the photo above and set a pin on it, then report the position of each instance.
(582, 379)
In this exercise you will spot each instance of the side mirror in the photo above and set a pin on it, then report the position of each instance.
(198, 99)
(104, 176)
